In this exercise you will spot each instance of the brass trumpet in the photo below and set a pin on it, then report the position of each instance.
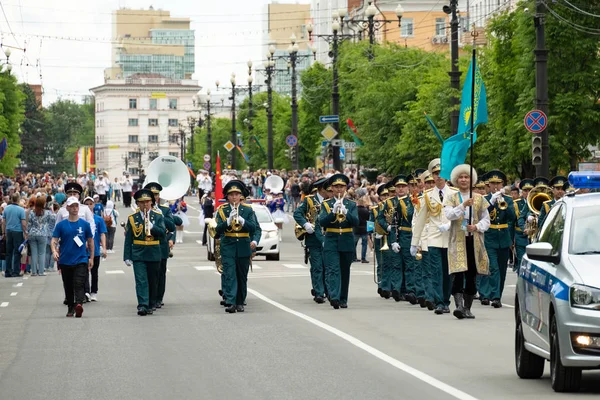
(235, 224)
(340, 217)
(147, 225)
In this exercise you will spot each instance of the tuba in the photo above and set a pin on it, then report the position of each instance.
(535, 201)
(172, 174)
(274, 183)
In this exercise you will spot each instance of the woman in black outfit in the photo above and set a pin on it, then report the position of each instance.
(360, 231)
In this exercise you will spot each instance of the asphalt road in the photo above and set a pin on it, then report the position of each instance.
(283, 347)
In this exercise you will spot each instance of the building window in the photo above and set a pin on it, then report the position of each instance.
(134, 155)
(152, 122)
(173, 122)
(172, 104)
(133, 122)
(440, 26)
(132, 104)
(97, 123)
(133, 139)
(174, 154)
(152, 155)
(153, 104)
(134, 171)
(152, 138)
(407, 27)
(173, 139)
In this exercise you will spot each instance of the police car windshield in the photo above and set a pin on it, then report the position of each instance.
(262, 214)
(585, 231)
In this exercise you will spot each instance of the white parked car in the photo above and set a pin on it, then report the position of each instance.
(557, 304)
(268, 245)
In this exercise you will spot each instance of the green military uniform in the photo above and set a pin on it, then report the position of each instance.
(235, 247)
(338, 246)
(521, 209)
(498, 241)
(556, 183)
(144, 252)
(378, 235)
(308, 213)
(165, 250)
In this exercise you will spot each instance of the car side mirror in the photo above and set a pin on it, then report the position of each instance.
(279, 220)
(541, 251)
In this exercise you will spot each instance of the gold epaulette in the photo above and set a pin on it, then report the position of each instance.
(428, 190)
(374, 207)
(247, 205)
(157, 211)
(402, 198)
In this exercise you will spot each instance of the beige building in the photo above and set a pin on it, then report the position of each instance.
(151, 42)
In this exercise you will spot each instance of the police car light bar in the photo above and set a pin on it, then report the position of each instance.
(585, 180)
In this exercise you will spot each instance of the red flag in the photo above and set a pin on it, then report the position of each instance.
(218, 182)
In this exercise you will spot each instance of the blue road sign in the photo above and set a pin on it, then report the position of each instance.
(291, 140)
(342, 153)
(328, 119)
(324, 143)
(190, 165)
(536, 121)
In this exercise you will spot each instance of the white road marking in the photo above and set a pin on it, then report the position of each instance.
(4, 304)
(18, 284)
(14, 293)
(168, 270)
(298, 274)
(25, 277)
(430, 380)
(294, 266)
(205, 268)
(115, 271)
(192, 233)
(511, 285)
(199, 242)
(508, 305)
(254, 266)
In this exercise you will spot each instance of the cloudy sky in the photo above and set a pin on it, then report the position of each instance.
(67, 42)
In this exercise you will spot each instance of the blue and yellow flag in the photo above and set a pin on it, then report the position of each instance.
(454, 150)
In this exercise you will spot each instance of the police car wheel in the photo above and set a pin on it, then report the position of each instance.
(528, 365)
(564, 379)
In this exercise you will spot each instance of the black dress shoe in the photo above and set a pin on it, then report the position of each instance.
(335, 304)
(150, 311)
(71, 312)
(65, 302)
(439, 310)
(396, 295)
(429, 304)
(446, 310)
(223, 303)
(231, 309)
(364, 261)
(485, 302)
(319, 300)
(158, 305)
(421, 301)
(411, 298)
(344, 305)
(313, 292)
(496, 303)
(240, 308)
(385, 294)
(220, 293)
(142, 311)
(379, 291)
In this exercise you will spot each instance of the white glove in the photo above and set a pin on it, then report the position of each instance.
(150, 225)
(343, 209)
(413, 250)
(495, 197)
(396, 247)
(444, 227)
(309, 228)
(530, 219)
(230, 219)
(128, 263)
(241, 220)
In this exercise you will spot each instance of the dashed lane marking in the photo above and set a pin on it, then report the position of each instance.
(18, 284)
(205, 268)
(294, 266)
(115, 271)
(13, 294)
(4, 304)
(428, 379)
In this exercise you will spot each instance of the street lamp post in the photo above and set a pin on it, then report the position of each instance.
(204, 100)
(454, 71)
(334, 39)
(370, 24)
(233, 139)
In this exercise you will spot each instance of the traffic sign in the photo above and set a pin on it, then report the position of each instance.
(536, 121)
(329, 133)
(324, 143)
(206, 157)
(342, 153)
(229, 146)
(190, 165)
(206, 165)
(350, 145)
(338, 142)
(291, 140)
(328, 119)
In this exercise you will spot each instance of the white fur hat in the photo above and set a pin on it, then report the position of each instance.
(462, 169)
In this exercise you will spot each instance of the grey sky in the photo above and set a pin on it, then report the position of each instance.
(228, 33)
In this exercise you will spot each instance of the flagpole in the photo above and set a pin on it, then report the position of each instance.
(472, 118)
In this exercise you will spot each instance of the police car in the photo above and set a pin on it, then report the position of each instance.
(268, 245)
(557, 304)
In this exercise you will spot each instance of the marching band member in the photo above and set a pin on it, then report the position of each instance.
(236, 224)
(497, 240)
(557, 184)
(307, 216)
(466, 248)
(142, 249)
(382, 194)
(166, 242)
(338, 216)
(521, 208)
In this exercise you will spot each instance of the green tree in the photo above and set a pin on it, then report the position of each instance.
(34, 138)
(12, 114)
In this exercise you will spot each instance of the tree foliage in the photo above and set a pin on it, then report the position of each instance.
(11, 115)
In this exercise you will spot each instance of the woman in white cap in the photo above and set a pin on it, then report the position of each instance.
(467, 257)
